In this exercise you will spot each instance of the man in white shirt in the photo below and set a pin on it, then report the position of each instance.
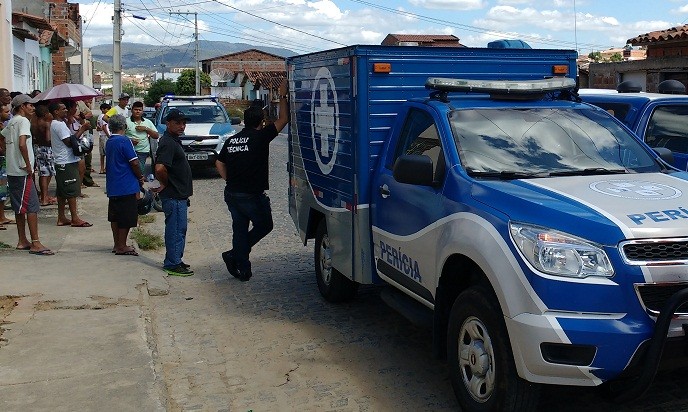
(104, 134)
(121, 108)
(66, 166)
(20, 163)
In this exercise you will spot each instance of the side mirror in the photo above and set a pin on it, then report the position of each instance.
(235, 120)
(414, 170)
(665, 154)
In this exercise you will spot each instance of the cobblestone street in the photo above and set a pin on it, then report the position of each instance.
(274, 344)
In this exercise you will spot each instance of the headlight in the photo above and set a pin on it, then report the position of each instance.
(224, 138)
(559, 254)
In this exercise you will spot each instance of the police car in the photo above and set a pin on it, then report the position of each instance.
(659, 119)
(208, 126)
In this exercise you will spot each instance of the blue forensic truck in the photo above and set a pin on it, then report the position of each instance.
(549, 244)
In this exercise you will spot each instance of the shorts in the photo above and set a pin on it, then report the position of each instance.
(68, 180)
(23, 195)
(102, 141)
(45, 161)
(123, 211)
(3, 179)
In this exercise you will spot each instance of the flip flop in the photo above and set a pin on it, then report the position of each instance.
(2, 227)
(82, 224)
(127, 253)
(23, 248)
(8, 222)
(43, 252)
(64, 224)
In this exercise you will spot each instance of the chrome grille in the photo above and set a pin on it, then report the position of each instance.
(653, 296)
(656, 251)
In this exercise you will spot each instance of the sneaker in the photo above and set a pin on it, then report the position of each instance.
(230, 263)
(184, 265)
(178, 271)
(244, 274)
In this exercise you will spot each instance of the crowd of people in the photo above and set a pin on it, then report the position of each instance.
(37, 141)
(41, 138)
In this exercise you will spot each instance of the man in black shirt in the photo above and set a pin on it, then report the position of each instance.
(243, 164)
(173, 172)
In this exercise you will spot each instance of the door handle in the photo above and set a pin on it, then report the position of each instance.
(384, 191)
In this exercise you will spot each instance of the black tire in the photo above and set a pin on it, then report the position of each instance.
(480, 359)
(157, 203)
(333, 286)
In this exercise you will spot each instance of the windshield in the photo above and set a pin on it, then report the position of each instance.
(668, 127)
(201, 114)
(545, 141)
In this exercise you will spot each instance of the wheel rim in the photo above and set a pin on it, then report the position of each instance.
(325, 260)
(476, 359)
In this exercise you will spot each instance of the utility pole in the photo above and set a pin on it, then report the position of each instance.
(117, 51)
(198, 70)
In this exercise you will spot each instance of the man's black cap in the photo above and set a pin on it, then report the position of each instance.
(176, 115)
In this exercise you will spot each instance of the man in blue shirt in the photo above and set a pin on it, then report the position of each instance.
(122, 182)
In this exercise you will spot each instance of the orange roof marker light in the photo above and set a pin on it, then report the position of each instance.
(560, 69)
(382, 67)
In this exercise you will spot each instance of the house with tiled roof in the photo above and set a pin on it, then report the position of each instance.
(425, 40)
(246, 75)
(666, 59)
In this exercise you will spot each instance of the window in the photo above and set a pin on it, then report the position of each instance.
(18, 65)
(420, 137)
(668, 127)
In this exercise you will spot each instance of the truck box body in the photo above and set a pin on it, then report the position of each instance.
(342, 113)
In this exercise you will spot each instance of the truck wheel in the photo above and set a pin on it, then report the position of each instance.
(334, 286)
(480, 360)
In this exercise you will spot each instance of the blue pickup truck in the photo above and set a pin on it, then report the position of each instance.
(659, 119)
(546, 242)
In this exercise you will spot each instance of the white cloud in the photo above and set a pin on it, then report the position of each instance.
(449, 4)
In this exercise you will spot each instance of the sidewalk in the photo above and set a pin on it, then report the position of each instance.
(79, 337)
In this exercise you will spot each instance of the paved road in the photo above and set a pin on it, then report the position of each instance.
(273, 344)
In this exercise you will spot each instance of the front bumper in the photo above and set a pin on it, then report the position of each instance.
(624, 347)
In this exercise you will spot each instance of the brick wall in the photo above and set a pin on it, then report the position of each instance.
(606, 75)
(64, 17)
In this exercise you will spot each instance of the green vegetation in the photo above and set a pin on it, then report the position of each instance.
(4, 245)
(158, 89)
(186, 83)
(145, 240)
(149, 218)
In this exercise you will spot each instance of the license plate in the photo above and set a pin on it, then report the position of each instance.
(197, 156)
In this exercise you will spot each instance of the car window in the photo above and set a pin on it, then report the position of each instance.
(420, 137)
(618, 110)
(545, 141)
(201, 113)
(668, 127)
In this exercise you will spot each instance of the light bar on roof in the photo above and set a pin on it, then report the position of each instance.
(500, 86)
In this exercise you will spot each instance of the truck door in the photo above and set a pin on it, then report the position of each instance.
(402, 213)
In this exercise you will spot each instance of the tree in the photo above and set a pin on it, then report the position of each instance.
(158, 89)
(616, 57)
(186, 83)
(132, 89)
(595, 56)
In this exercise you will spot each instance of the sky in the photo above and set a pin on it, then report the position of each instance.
(305, 26)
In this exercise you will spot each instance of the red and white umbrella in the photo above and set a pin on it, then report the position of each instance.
(69, 91)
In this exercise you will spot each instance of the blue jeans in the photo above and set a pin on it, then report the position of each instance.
(175, 230)
(245, 208)
(142, 162)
